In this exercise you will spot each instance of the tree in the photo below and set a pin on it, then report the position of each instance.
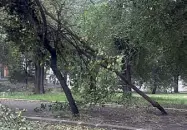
(25, 43)
(165, 31)
(28, 14)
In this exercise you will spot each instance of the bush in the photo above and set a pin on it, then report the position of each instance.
(12, 120)
(19, 76)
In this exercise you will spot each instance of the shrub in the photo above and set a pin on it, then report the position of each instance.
(12, 120)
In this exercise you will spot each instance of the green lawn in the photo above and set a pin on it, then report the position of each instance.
(180, 99)
(44, 97)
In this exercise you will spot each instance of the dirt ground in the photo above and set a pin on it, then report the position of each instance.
(147, 117)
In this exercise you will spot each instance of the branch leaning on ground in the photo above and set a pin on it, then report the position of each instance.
(90, 53)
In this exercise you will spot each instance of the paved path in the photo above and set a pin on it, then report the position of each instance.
(22, 104)
(32, 115)
(31, 105)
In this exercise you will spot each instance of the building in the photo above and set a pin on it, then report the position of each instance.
(4, 73)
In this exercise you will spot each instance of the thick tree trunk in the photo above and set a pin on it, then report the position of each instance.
(155, 104)
(175, 83)
(39, 78)
(63, 83)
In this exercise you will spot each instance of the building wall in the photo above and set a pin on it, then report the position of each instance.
(3, 71)
(6, 72)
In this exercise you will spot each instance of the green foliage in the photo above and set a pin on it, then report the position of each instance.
(94, 85)
(153, 30)
(10, 120)
(54, 107)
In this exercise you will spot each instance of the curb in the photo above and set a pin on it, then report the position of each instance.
(105, 126)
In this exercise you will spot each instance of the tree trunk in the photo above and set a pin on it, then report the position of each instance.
(126, 70)
(128, 76)
(42, 91)
(154, 89)
(92, 87)
(175, 83)
(155, 104)
(155, 80)
(36, 86)
(63, 83)
(26, 73)
(39, 78)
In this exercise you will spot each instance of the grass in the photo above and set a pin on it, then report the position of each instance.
(28, 96)
(179, 99)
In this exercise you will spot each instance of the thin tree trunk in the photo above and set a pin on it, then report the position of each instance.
(175, 83)
(26, 73)
(128, 76)
(93, 88)
(155, 104)
(36, 86)
(154, 89)
(126, 68)
(155, 80)
(42, 91)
